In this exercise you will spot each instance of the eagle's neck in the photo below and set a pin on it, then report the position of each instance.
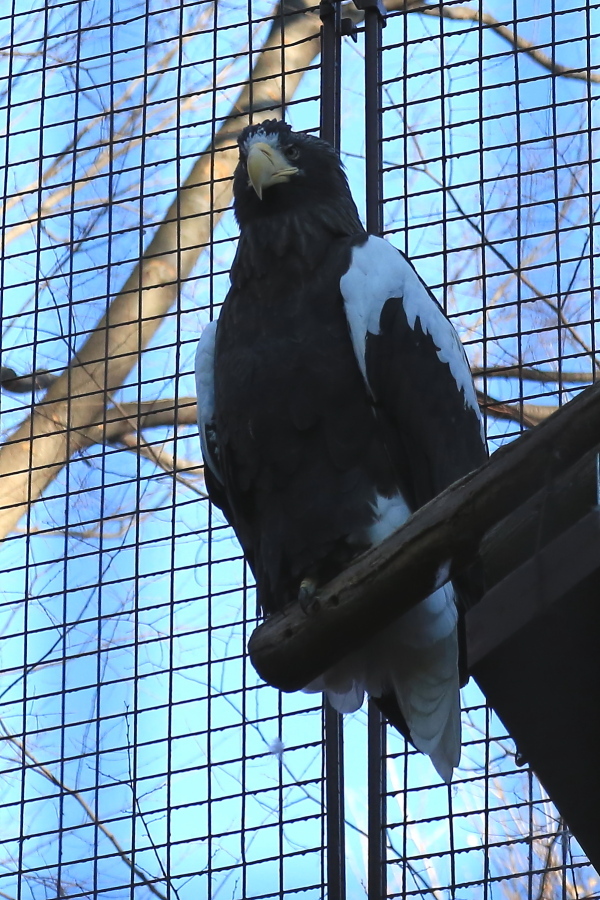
(300, 239)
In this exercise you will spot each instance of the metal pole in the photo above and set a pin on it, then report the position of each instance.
(376, 796)
(376, 762)
(374, 23)
(334, 794)
(331, 69)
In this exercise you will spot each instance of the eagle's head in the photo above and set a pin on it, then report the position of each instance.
(281, 171)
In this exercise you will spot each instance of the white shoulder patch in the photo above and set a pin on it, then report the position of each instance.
(205, 390)
(378, 272)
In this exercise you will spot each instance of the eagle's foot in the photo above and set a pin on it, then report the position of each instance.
(307, 594)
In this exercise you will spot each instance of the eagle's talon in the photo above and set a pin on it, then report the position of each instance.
(307, 595)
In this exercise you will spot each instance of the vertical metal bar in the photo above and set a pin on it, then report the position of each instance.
(331, 71)
(331, 67)
(374, 22)
(376, 797)
(334, 795)
(521, 246)
(376, 761)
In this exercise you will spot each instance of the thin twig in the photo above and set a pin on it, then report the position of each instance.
(517, 272)
(526, 414)
(528, 373)
(53, 779)
(464, 14)
(164, 461)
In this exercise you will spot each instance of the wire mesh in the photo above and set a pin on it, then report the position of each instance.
(141, 753)
(489, 188)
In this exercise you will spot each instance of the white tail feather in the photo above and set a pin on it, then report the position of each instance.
(416, 658)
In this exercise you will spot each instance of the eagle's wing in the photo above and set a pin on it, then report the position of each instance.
(215, 477)
(416, 370)
(417, 373)
(205, 392)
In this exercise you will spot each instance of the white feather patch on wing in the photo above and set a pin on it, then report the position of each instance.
(205, 391)
(377, 272)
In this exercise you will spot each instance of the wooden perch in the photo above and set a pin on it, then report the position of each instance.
(293, 647)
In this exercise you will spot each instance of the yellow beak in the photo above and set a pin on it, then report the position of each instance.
(267, 166)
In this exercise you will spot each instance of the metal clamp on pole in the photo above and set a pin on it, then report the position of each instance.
(349, 29)
(377, 5)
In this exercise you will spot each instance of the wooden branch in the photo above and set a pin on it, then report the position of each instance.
(123, 425)
(526, 414)
(131, 417)
(535, 523)
(293, 647)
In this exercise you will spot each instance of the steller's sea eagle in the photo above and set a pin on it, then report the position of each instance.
(334, 399)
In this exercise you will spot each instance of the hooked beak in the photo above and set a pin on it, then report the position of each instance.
(267, 166)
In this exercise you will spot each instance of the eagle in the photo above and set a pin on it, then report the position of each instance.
(335, 398)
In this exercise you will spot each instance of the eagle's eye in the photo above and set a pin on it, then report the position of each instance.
(292, 152)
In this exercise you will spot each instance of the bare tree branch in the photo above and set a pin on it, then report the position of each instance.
(86, 534)
(123, 424)
(122, 141)
(166, 462)
(464, 14)
(132, 417)
(527, 373)
(38, 450)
